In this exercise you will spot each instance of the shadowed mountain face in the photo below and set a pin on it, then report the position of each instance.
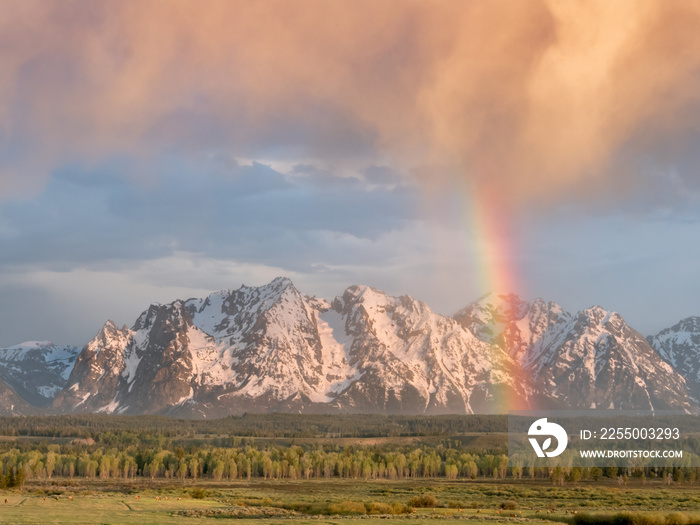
(679, 346)
(271, 348)
(13, 405)
(37, 370)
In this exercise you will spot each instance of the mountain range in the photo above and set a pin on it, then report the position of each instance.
(272, 348)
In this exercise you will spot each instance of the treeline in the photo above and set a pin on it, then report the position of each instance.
(296, 462)
(257, 425)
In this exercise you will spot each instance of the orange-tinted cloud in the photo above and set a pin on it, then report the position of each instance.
(532, 97)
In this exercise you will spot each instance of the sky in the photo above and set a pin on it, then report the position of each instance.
(153, 150)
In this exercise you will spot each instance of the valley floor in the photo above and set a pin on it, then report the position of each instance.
(67, 501)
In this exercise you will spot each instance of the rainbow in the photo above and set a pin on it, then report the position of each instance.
(490, 229)
(490, 220)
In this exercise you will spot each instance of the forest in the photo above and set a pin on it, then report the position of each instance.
(267, 425)
(278, 447)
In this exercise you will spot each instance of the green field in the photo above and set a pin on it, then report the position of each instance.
(313, 501)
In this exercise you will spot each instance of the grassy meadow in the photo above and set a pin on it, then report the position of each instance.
(309, 469)
(336, 501)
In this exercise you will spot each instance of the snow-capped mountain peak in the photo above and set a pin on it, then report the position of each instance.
(271, 348)
(515, 325)
(595, 360)
(679, 346)
(37, 370)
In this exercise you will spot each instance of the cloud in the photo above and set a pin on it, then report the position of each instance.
(530, 98)
(67, 302)
(245, 212)
(72, 305)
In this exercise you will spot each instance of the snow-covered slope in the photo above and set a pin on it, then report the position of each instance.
(37, 370)
(679, 346)
(515, 325)
(597, 361)
(274, 343)
(406, 358)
